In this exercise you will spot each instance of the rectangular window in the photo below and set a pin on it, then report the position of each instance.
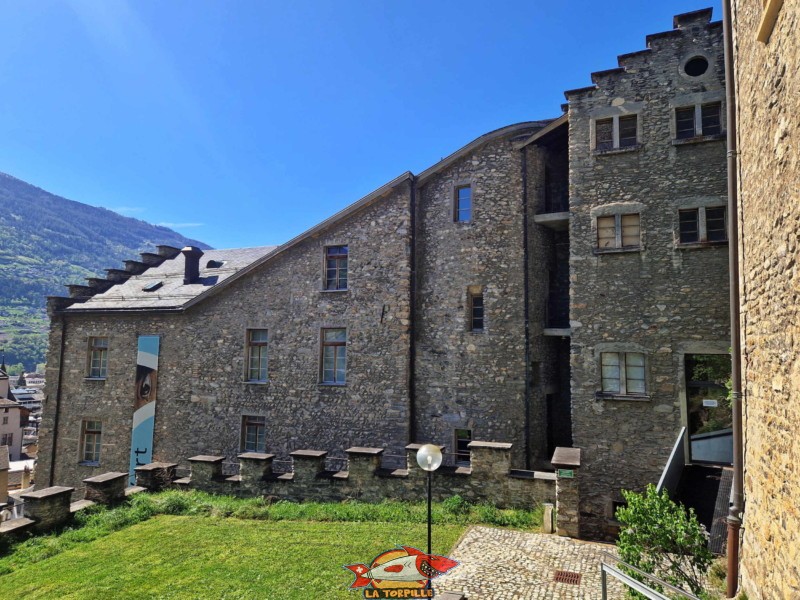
(476, 311)
(98, 357)
(710, 118)
(604, 134)
(689, 224)
(684, 123)
(618, 231)
(7, 439)
(334, 356)
(716, 229)
(704, 224)
(336, 268)
(257, 340)
(463, 204)
(254, 434)
(622, 373)
(91, 435)
(5, 422)
(463, 438)
(627, 131)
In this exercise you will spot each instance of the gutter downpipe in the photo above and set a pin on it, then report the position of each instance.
(526, 299)
(734, 518)
(57, 414)
(412, 307)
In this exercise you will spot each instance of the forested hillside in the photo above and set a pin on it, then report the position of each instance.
(46, 242)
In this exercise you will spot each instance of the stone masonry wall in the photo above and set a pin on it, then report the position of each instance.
(661, 299)
(465, 379)
(768, 92)
(202, 392)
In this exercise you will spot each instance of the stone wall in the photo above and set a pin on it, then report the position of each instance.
(662, 299)
(489, 479)
(202, 392)
(768, 92)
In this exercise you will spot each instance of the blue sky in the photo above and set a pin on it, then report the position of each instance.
(243, 123)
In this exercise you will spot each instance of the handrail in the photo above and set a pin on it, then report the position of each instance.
(635, 584)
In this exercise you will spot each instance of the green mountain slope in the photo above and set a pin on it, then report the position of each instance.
(46, 242)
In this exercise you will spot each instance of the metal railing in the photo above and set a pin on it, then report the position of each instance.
(635, 584)
(10, 512)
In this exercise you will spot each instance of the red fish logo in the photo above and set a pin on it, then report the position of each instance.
(402, 568)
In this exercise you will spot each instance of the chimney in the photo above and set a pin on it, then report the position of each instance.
(191, 272)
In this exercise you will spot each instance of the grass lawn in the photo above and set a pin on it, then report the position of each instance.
(199, 557)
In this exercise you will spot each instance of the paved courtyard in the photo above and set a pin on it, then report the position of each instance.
(500, 564)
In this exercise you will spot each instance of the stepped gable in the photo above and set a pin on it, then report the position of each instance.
(158, 282)
(686, 24)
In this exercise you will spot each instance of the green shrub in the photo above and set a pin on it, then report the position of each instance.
(660, 537)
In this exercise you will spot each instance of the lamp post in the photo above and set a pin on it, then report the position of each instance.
(429, 458)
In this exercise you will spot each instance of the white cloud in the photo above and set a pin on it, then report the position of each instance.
(180, 225)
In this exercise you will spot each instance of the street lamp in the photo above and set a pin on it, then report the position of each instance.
(429, 458)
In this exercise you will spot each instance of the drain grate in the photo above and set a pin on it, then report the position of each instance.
(567, 577)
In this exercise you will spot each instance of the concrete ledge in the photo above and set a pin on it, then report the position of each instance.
(308, 454)
(256, 456)
(205, 458)
(566, 458)
(492, 445)
(80, 505)
(134, 489)
(365, 451)
(15, 526)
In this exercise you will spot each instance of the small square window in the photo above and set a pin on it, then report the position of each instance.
(618, 231)
(622, 373)
(257, 354)
(336, 267)
(334, 356)
(463, 204)
(98, 357)
(254, 434)
(7, 439)
(704, 224)
(91, 436)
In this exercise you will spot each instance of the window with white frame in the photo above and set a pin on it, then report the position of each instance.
(91, 436)
(619, 131)
(702, 224)
(254, 431)
(257, 346)
(98, 357)
(334, 356)
(698, 120)
(622, 373)
(615, 232)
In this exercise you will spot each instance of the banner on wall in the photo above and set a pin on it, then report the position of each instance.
(144, 406)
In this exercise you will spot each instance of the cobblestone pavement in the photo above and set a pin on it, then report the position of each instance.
(500, 564)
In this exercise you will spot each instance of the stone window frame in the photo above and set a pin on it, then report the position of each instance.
(244, 423)
(323, 345)
(249, 345)
(325, 287)
(454, 188)
(615, 112)
(709, 75)
(95, 350)
(617, 210)
(698, 101)
(622, 348)
(476, 291)
(700, 204)
(93, 458)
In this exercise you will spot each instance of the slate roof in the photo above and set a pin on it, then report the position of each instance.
(7, 403)
(172, 294)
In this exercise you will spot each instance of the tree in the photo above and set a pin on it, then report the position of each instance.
(660, 537)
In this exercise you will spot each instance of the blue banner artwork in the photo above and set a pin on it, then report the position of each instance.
(144, 407)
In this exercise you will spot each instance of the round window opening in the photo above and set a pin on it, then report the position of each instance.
(696, 66)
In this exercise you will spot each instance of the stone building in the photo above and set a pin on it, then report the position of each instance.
(767, 55)
(543, 285)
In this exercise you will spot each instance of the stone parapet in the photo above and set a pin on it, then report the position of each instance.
(48, 508)
(567, 461)
(108, 488)
(155, 476)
